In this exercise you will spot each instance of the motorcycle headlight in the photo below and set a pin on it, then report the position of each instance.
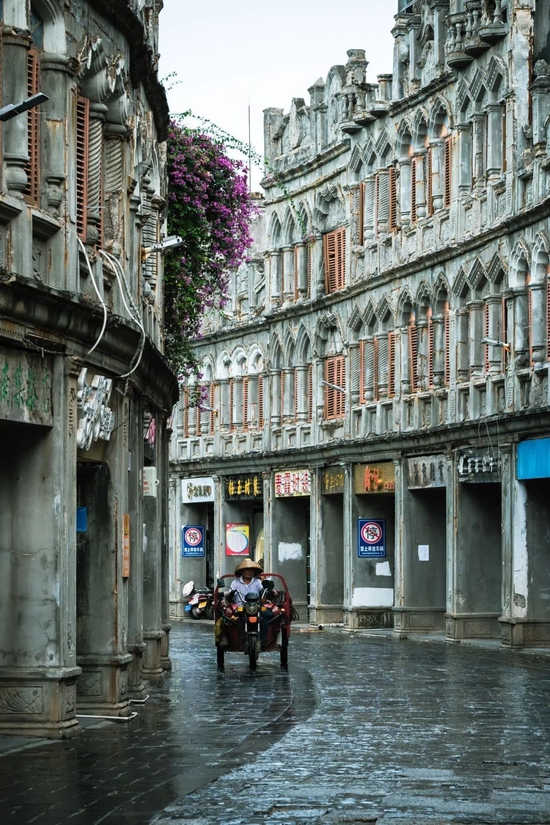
(252, 608)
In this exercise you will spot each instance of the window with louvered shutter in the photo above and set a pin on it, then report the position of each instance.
(431, 349)
(413, 190)
(429, 182)
(231, 402)
(413, 356)
(245, 403)
(32, 167)
(376, 367)
(295, 394)
(382, 200)
(282, 392)
(359, 213)
(391, 364)
(335, 374)
(261, 401)
(392, 182)
(82, 145)
(447, 345)
(212, 411)
(310, 393)
(447, 171)
(368, 376)
(335, 260)
(486, 320)
(309, 267)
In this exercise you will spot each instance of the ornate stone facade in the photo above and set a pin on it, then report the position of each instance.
(398, 310)
(82, 191)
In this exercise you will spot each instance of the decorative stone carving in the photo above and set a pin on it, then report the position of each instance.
(89, 683)
(96, 420)
(26, 701)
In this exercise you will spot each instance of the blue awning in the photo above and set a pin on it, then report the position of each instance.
(533, 459)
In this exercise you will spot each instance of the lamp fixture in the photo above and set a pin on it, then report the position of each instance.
(492, 342)
(332, 386)
(13, 109)
(167, 243)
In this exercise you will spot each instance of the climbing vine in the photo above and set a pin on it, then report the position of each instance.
(210, 208)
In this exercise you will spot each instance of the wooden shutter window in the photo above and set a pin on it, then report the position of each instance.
(391, 364)
(310, 393)
(447, 345)
(295, 395)
(362, 372)
(429, 183)
(212, 411)
(82, 148)
(231, 401)
(486, 319)
(431, 350)
(32, 167)
(413, 356)
(335, 260)
(413, 190)
(447, 167)
(335, 374)
(392, 199)
(376, 367)
(261, 401)
(245, 403)
(309, 266)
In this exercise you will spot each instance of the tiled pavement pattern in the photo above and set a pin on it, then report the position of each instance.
(364, 729)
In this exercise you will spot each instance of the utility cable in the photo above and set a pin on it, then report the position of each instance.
(98, 295)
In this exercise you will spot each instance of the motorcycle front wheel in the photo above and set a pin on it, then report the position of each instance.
(253, 653)
(220, 657)
(196, 612)
(209, 611)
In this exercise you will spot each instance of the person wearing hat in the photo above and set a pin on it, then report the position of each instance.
(246, 581)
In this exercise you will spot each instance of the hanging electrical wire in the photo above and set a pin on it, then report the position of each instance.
(121, 280)
(98, 295)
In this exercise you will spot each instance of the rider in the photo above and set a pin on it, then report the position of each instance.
(246, 581)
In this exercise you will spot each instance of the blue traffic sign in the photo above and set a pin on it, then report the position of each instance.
(371, 538)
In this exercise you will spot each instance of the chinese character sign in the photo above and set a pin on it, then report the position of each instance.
(374, 478)
(292, 483)
(25, 387)
(237, 539)
(371, 538)
(192, 541)
(243, 487)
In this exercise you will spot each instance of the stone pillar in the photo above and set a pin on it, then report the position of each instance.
(288, 274)
(537, 297)
(494, 354)
(515, 561)
(405, 194)
(276, 407)
(521, 326)
(465, 158)
(163, 447)
(438, 322)
(462, 344)
(476, 312)
(421, 189)
(369, 208)
(437, 146)
(355, 374)
(95, 173)
(14, 131)
(302, 390)
(55, 78)
(422, 327)
(318, 268)
(136, 645)
(224, 403)
(479, 139)
(153, 579)
(287, 412)
(302, 283)
(237, 412)
(276, 277)
(327, 605)
(495, 114)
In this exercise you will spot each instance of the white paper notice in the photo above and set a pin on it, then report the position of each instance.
(423, 552)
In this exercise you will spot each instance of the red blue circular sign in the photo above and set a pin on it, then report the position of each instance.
(371, 532)
(192, 537)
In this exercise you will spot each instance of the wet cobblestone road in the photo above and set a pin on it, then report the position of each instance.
(363, 729)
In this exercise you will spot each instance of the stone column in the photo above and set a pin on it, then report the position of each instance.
(238, 402)
(287, 413)
(465, 158)
(276, 277)
(275, 394)
(479, 149)
(302, 373)
(422, 327)
(136, 645)
(515, 561)
(494, 308)
(163, 447)
(462, 344)
(95, 173)
(355, 382)
(369, 208)
(224, 404)
(152, 579)
(405, 194)
(288, 274)
(537, 296)
(421, 172)
(437, 146)
(438, 322)
(14, 131)
(302, 284)
(476, 311)
(494, 140)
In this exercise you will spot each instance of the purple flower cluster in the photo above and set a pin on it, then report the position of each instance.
(210, 207)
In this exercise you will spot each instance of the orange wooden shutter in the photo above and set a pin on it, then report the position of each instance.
(335, 374)
(245, 403)
(413, 190)
(231, 401)
(212, 411)
(393, 199)
(431, 350)
(447, 166)
(32, 167)
(361, 215)
(329, 241)
(447, 345)
(340, 258)
(429, 185)
(486, 334)
(309, 266)
(82, 144)
(391, 364)
(413, 356)
(310, 393)
(261, 401)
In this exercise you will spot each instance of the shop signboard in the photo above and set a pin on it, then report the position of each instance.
(237, 539)
(150, 482)
(25, 387)
(426, 471)
(192, 541)
(332, 481)
(374, 478)
(197, 490)
(533, 459)
(246, 486)
(475, 467)
(292, 483)
(371, 538)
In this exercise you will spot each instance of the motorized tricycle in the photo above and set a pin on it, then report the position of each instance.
(262, 623)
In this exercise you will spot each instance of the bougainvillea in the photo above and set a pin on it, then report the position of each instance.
(210, 207)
